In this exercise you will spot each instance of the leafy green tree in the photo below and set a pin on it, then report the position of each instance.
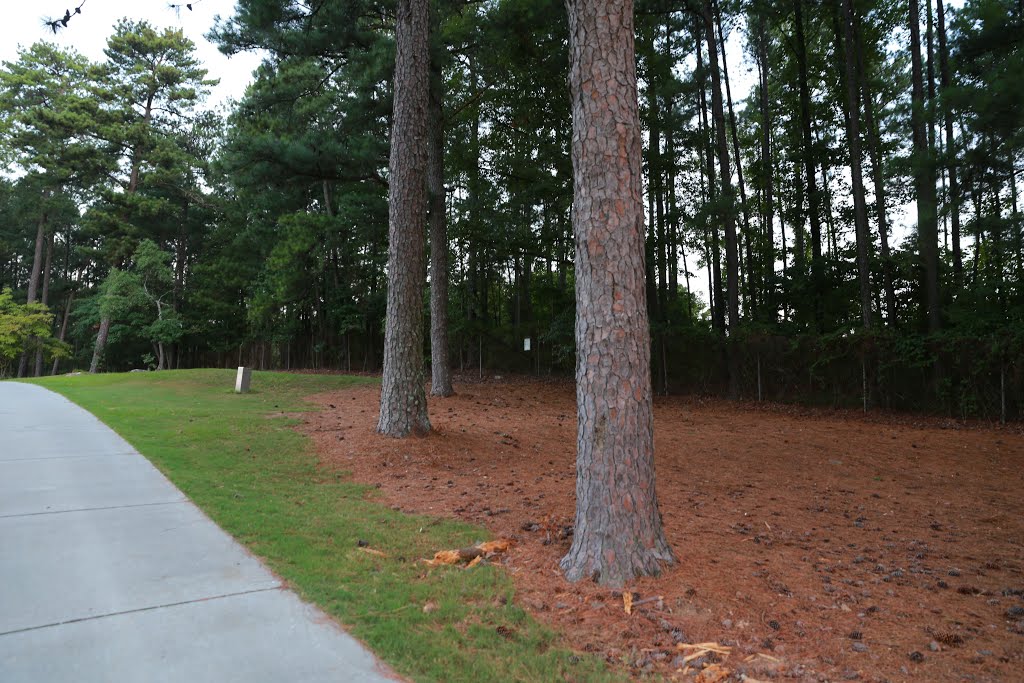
(152, 82)
(24, 326)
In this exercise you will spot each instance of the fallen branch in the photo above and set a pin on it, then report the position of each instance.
(471, 556)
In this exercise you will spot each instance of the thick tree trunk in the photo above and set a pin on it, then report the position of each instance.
(403, 402)
(954, 181)
(727, 212)
(924, 179)
(441, 374)
(618, 533)
(813, 198)
(860, 214)
(101, 344)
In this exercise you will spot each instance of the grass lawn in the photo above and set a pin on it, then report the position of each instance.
(254, 476)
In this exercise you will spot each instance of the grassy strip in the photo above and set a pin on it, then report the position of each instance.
(254, 477)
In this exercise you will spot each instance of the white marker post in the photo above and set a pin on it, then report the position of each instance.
(242, 380)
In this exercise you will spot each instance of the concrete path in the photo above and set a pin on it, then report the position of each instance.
(108, 573)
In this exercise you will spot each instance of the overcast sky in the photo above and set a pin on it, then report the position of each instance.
(22, 25)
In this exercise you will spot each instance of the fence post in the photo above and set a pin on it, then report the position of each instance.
(864, 382)
(1002, 393)
(759, 393)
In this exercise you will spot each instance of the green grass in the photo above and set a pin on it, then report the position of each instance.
(256, 478)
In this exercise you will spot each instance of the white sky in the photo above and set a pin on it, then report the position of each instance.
(87, 33)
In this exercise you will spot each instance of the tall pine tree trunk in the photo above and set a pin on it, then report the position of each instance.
(924, 178)
(767, 167)
(715, 261)
(33, 281)
(813, 197)
(45, 298)
(618, 532)
(878, 181)
(440, 364)
(860, 214)
(751, 288)
(63, 328)
(403, 401)
(727, 200)
(954, 181)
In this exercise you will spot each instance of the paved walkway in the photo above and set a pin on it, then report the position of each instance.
(108, 573)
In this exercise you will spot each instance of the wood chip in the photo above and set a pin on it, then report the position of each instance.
(713, 674)
(723, 650)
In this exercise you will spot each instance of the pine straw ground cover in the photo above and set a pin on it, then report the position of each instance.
(813, 545)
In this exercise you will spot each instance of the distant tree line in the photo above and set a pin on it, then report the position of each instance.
(157, 233)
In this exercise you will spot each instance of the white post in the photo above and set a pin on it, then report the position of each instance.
(242, 380)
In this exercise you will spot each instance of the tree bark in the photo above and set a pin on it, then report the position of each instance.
(860, 214)
(403, 402)
(33, 282)
(101, 344)
(924, 178)
(715, 264)
(878, 180)
(751, 278)
(441, 374)
(954, 181)
(813, 198)
(618, 533)
(766, 162)
(45, 298)
(63, 328)
(727, 200)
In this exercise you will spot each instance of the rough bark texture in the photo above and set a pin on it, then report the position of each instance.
(860, 213)
(618, 532)
(101, 343)
(924, 178)
(403, 401)
(440, 364)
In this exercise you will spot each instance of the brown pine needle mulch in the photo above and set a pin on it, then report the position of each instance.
(812, 544)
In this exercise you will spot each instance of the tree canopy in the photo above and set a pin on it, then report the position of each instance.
(831, 203)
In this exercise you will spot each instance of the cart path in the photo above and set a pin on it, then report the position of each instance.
(109, 573)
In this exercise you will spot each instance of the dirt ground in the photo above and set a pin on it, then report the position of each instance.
(813, 545)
